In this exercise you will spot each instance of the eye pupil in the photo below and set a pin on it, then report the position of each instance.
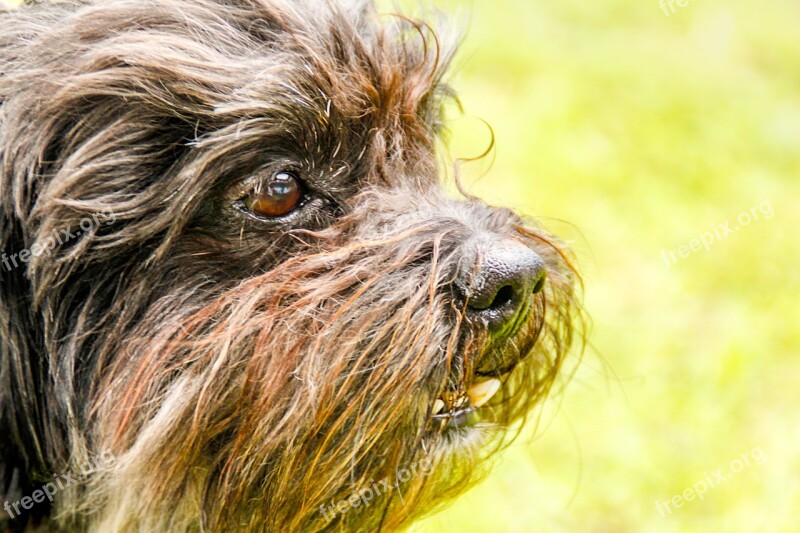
(279, 196)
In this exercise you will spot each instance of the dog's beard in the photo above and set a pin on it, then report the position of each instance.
(278, 399)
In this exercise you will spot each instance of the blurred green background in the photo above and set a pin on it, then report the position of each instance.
(647, 127)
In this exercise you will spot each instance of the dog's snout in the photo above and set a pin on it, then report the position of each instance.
(498, 280)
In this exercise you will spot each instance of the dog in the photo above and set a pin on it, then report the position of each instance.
(234, 282)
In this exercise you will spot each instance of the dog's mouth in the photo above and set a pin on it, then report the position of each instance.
(461, 410)
(462, 407)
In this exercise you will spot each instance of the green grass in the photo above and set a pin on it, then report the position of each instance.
(644, 131)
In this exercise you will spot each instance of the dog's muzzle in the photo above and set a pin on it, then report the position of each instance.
(496, 282)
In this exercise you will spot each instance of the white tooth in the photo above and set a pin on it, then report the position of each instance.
(438, 405)
(480, 393)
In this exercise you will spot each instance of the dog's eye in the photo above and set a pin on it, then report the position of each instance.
(276, 197)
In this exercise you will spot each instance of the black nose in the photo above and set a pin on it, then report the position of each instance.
(497, 280)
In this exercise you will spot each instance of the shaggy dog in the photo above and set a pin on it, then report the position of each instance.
(232, 283)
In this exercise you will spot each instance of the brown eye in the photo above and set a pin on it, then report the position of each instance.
(279, 196)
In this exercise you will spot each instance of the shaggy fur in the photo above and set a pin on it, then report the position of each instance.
(245, 374)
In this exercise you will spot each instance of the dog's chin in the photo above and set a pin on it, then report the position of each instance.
(465, 443)
(457, 436)
(465, 428)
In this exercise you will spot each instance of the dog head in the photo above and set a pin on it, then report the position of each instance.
(243, 275)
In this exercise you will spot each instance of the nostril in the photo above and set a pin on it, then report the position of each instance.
(503, 297)
(497, 282)
(501, 300)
